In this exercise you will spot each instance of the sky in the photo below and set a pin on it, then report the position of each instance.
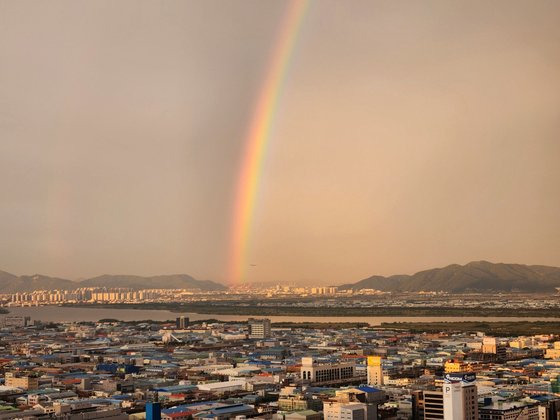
(407, 135)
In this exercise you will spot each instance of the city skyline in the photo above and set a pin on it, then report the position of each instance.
(402, 138)
(279, 210)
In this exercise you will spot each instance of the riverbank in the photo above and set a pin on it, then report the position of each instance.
(243, 308)
(278, 325)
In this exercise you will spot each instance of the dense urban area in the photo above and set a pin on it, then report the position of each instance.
(255, 368)
(279, 210)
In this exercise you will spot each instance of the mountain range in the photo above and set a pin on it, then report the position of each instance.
(10, 283)
(474, 276)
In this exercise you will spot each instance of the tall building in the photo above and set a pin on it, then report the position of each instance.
(433, 405)
(549, 408)
(182, 322)
(460, 397)
(418, 404)
(153, 410)
(259, 328)
(331, 290)
(490, 345)
(374, 371)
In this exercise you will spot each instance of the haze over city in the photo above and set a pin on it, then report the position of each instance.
(405, 136)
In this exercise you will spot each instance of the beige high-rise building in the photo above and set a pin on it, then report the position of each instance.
(259, 328)
(489, 345)
(374, 371)
(492, 346)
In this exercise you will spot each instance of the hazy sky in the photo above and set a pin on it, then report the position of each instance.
(408, 135)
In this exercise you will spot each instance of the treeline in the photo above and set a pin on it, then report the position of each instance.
(498, 328)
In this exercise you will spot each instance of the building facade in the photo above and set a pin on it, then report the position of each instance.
(326, 372)
(433, 405)
(259, 328)
(460, 397)
(374, 370)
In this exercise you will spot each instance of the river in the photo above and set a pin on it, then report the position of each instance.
(69, 314)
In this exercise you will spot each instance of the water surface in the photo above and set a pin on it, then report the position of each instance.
(69, 314)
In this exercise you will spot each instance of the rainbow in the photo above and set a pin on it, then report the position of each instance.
(258, 136)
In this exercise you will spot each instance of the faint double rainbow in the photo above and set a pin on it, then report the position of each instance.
(258, 136)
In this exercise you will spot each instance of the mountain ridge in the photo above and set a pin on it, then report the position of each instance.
(11, 283)
(473, 276)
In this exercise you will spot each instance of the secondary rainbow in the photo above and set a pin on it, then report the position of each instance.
(258, 136)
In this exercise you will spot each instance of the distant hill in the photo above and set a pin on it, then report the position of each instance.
(172, 281)
(474, 276)
(10, 283)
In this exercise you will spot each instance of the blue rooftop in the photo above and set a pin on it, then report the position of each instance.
(366, 388)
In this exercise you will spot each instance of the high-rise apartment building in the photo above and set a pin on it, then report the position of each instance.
(374, 371)
(259, 328)
(182, 322)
